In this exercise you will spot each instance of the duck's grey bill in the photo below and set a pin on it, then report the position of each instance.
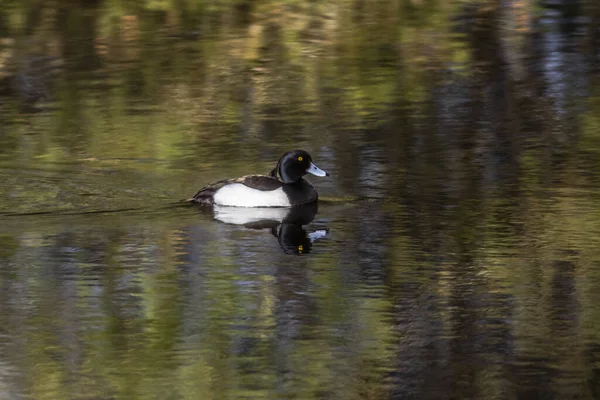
(313, 169)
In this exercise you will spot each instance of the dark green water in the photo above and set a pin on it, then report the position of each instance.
(455, 255)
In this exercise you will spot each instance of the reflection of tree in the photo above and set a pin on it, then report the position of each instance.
(475, 270)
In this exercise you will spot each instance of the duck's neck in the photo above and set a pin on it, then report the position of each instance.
(298, 182)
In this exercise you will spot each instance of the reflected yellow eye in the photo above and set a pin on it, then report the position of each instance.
(300, 158)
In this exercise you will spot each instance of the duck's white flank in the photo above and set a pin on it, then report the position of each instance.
(240, 195)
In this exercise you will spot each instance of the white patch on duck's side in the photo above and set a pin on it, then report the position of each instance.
(245, 215)
(240, 195)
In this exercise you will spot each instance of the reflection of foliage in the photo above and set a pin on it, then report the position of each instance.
(485, 237)
(211, 72)
(8, 246)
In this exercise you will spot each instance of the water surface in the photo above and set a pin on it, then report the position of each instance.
(455, 254)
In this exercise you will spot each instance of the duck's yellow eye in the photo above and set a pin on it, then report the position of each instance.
(300, 158)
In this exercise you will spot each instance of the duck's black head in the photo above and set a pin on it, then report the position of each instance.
(293, 165)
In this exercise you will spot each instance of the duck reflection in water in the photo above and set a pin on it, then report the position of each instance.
(284, 223)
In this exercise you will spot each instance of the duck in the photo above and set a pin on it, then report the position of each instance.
(283, 187)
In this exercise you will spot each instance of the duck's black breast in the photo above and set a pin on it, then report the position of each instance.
(301, 192)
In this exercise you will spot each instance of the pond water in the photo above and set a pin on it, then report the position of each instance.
(454, 252)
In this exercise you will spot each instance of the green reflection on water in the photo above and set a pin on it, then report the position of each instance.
(472, 273)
